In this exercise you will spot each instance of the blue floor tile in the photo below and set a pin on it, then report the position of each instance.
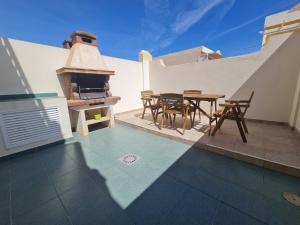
(229, 216)
(198, 179)
(75, 178)
(249, 202)
(98, 214)
(56, 168)
(275, 184)
(160, 197)
(30, 197)
(85, 195)
(4, 215)
(178, 220)
(50, 213)
(27, 167)
(280, 213)
(5, 173)
(85, 183)
(195, 206)
(4, 195)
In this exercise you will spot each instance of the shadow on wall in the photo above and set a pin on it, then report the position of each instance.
(12, 74)
(276, 77)
(295, 121)
(26, 121)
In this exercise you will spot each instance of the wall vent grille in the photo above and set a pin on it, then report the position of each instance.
(30, 126)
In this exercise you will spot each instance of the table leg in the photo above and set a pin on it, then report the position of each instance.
(210, 116)
(216, 111)
(198, 104)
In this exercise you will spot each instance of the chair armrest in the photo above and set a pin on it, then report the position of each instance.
(146, 98)
(229, 105)
(237, 101)
(243, 105)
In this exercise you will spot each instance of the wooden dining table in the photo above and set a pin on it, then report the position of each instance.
(194, 98)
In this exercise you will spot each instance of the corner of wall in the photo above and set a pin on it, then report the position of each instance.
(145, 57)
(294, 121)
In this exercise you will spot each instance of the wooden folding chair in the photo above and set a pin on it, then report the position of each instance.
(172, 105)
(234, 110)
(150, 103)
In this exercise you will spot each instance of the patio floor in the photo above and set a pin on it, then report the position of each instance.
(85, 183)
(269, 145)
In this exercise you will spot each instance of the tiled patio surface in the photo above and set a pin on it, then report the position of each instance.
(85, 183)
(271, 146)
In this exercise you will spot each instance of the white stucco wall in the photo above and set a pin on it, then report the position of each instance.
(271, 73)
(31, 68)
(126, 83)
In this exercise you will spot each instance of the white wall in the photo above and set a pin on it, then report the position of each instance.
(31, 68)
(271, 73)
(126, 83)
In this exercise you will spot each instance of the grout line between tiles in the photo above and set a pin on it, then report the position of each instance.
(58, 196)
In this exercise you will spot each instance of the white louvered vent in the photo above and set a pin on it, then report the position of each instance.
(30, 126)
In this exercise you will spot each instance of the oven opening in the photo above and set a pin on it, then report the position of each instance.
(91, 86)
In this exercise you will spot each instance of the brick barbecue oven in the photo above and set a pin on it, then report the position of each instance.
(86, 76)
(86, 82)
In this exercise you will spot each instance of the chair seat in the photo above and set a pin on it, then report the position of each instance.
(192, 108)
(218, 113)
(157, 106)
(174, 111)
(229, 115)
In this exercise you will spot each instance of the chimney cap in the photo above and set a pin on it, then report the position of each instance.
(83, 34)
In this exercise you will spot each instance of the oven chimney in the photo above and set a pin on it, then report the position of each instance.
(84, 55)
(83, 38)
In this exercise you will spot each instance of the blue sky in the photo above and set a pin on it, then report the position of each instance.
(124, 27)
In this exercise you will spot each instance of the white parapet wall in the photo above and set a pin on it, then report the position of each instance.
(27, 68)
(126, 83)
(271, 72)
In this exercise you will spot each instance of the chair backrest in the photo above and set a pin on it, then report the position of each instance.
(241, 105)
(146, 94)
(248, 104)
(192, 92)
(171, 100)
(251, 96)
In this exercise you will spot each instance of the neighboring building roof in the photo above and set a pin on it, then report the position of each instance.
(287, 17)
(280, 23)
(190, 55)
(295, 8)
